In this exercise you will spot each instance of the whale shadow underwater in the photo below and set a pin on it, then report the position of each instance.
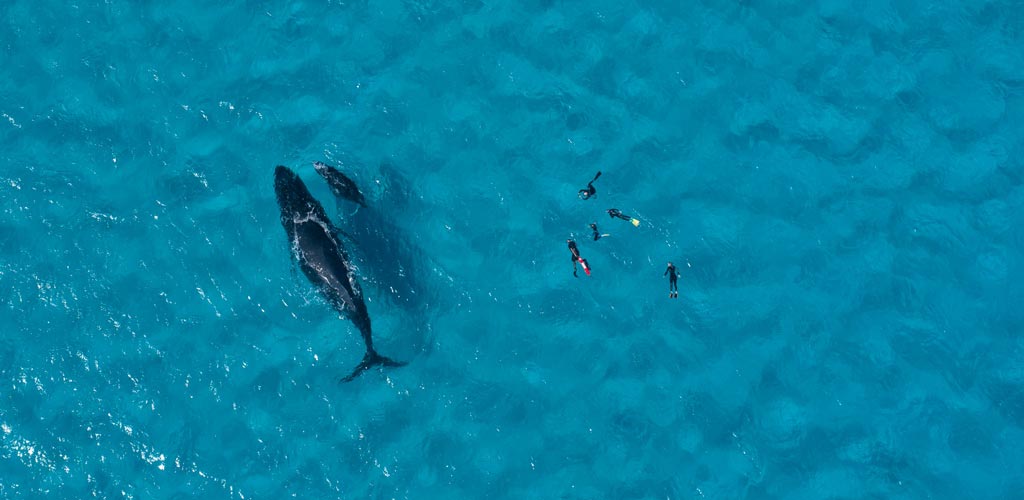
(395, 264)
(320, 254)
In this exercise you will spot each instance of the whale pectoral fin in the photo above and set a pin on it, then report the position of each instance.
(370, 360)
(346, 235)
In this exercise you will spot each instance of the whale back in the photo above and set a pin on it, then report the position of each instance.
(318, 250)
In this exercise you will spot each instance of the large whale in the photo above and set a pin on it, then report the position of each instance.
(322, 258)
(340, 184)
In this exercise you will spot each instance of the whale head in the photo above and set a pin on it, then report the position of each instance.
(320, 167)
(292, 195)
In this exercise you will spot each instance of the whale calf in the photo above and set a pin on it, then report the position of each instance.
(339, 183)
(322, 258)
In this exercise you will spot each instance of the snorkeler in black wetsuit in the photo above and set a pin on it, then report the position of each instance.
(673, 289)
(615, 213)
(597, 234)
(590, 190)
(576, 258)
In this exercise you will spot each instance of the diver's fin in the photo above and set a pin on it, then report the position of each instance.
(635, 222)
(596, 176)
(370, 360)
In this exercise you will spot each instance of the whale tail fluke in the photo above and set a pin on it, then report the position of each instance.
(370, 360)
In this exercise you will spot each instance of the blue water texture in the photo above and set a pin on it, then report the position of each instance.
(840, 184)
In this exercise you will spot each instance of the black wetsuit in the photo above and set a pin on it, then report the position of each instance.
(597, 234)
(590, 189)
(614, 212)
(672, 276)
(575, 255)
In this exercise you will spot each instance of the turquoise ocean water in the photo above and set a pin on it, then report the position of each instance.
(840, 184)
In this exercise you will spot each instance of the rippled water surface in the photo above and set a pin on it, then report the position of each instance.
(839, 183)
